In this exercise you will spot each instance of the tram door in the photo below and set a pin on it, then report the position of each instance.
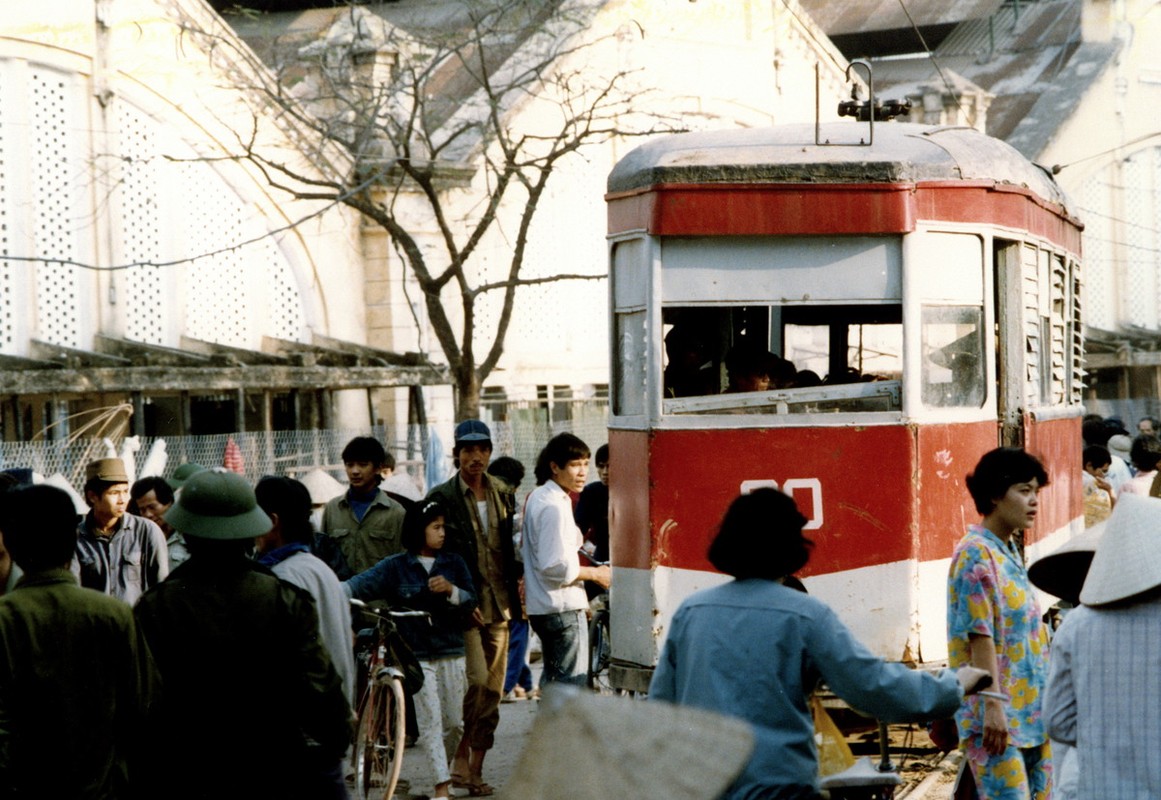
(1038, 333)
(1009, 344)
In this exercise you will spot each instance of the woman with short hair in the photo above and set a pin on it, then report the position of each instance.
(755, 648)
(994, 622)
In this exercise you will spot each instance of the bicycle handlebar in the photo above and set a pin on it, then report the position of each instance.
(405, 612)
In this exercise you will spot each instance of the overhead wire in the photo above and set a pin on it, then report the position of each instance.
(971, 121)
(1056, 168)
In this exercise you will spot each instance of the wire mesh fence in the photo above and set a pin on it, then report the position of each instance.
(422, 455)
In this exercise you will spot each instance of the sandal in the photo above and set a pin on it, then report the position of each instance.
(476, 788)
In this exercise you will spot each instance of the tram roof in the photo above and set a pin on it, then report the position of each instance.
(901, 153)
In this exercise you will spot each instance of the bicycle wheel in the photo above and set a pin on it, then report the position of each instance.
(599, 653)
(379, 739)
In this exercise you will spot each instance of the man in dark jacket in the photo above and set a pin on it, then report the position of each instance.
(253, 706)
(479, 530)
(76, 682)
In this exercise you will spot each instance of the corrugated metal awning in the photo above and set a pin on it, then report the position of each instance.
(838, 17)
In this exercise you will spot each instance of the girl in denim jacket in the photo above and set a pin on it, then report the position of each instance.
(426, 578)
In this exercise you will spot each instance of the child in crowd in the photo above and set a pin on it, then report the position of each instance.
(426, 578)
(1099, 496)
(1146, 454)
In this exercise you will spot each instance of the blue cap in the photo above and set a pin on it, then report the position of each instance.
(472, 430)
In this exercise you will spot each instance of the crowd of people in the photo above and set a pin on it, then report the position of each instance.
(198, 643)
(1116, 462)
(191, 636)
(692, 370)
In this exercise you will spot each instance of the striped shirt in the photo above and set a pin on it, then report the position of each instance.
(1104, 696)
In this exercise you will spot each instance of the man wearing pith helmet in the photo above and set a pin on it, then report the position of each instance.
(253, 706)
(119, 554)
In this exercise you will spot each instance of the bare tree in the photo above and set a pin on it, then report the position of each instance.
(427, 116)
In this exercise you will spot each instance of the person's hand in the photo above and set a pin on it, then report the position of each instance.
(477, 618)
(439, 585)
(1102, 484)
(995, 726)
(602, 576)
(973, 679)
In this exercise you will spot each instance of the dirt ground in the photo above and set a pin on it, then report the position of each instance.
(911, 752)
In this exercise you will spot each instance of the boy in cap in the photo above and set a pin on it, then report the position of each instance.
(479, 529)
(1106, 660)
(76, 682)
(119, 554)
(253, 706)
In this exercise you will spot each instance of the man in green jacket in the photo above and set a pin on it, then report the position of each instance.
(76, 681)
(363, 525)
(479, 529)
(253, 706)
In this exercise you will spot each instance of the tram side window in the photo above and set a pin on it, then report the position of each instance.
(782, 359)
(953, 357)
(629, 366)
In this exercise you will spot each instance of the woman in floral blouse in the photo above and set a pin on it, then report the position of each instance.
(993, 622)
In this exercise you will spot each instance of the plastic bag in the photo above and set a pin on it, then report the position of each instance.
(834, 754)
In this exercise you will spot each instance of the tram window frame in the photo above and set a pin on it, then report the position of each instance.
(629, 278)
(764, 327)
(953, 357)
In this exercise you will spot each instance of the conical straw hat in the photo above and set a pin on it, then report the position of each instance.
(642, 749)
(1128, 558)
(1061, 573)
(321, 485)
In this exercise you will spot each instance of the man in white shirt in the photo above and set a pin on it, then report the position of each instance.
(554, 593)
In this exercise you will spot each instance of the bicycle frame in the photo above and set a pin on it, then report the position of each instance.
(377, 756)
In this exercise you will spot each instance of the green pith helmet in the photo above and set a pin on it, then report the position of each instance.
(183, 473)
(217, 504)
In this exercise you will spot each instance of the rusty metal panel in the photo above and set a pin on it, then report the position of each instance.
(945, 455)
(629, 480)
(1058, 443)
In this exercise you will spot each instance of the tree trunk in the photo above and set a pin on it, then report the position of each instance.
(467, 396)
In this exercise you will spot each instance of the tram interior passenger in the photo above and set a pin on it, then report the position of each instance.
(769, 359)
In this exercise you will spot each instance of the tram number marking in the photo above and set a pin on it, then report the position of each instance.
(794, 487)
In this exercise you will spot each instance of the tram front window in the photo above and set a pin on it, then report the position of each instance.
(782, 359)
(953, 357)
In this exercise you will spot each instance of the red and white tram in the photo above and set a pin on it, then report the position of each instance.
(925, 289)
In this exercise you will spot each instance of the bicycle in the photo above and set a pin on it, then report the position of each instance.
(600, 641)
(380, 732)
(600, 646)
